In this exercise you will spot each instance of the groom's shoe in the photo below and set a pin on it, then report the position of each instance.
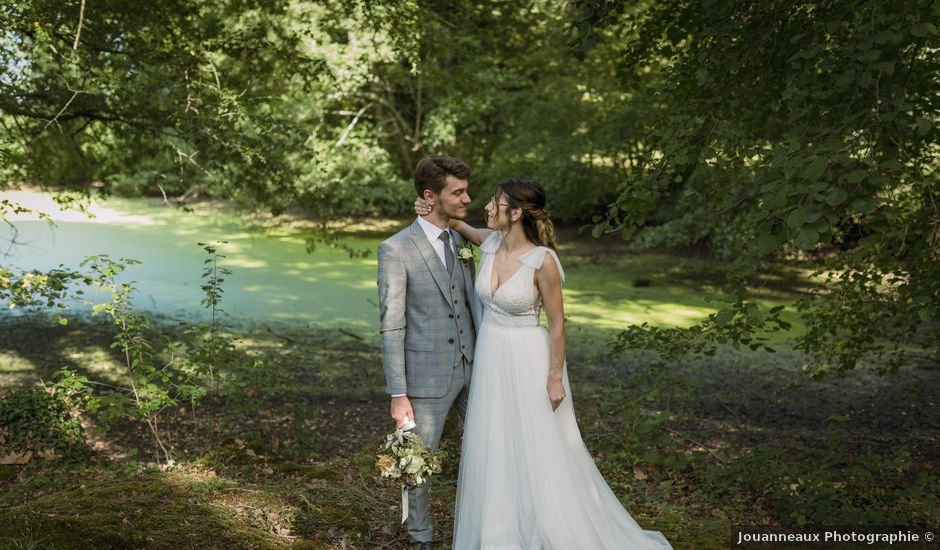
(424, 546)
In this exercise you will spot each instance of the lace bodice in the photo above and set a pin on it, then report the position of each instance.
(516, 302)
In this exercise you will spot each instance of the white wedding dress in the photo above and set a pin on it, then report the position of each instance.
(526, 480)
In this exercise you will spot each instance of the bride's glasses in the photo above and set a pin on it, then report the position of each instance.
(493, 202)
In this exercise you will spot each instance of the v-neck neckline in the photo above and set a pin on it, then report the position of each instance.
(493, 291)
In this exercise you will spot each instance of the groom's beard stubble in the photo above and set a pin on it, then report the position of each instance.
(458, 214)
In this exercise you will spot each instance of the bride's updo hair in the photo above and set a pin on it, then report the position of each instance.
(530, 197)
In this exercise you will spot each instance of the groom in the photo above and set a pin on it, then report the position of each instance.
(427, 322)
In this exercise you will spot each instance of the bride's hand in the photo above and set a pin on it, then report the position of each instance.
(556, 392)
(422, 207)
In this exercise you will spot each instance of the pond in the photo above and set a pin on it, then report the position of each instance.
(275, 279)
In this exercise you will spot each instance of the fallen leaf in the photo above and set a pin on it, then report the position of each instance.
(16, 458)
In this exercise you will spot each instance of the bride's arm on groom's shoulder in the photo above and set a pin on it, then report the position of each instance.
(472, 234)
(548, 280)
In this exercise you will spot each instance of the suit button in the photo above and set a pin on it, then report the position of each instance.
(462, 347)
(451, 341)
(458, 316)
(455, 301)
(453, 287)
(461, 332)
(451, 315)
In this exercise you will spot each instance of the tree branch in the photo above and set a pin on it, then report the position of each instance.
(55, 119)
(78, 31)
(352, 124)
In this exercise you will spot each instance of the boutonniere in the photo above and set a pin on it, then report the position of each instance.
(465, 253)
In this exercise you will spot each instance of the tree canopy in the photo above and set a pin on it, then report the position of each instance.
(791, 129)
(795, 128)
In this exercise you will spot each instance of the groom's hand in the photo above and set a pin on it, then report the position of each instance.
(401, 406)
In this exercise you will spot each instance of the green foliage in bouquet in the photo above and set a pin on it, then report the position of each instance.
(407, 459)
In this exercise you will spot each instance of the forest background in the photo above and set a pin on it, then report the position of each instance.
(757, 135)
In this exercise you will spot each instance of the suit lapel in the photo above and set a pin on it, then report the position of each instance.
(433, 261)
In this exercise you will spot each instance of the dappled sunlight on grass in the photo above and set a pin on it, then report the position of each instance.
(16, 369)
(234, 247)
(618, 314)
(193, 232)
(286, 460)
(365, 285)
(336, 319)
(256, 288)
(97, 212)
(10, 361)
(184, 507)
(97, 361)
(245, 263)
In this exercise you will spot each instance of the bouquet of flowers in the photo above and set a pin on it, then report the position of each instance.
(406, 459)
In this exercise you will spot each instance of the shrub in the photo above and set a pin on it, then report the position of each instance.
(41, 420)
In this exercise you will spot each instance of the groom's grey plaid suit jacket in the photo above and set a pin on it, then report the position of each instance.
(427, 317)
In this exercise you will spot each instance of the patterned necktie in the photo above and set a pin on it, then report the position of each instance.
(448, 252)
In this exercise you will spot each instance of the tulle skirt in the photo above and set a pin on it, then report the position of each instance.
(526, 480)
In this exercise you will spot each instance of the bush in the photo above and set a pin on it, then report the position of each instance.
(40, 420)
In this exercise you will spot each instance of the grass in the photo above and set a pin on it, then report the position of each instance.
(283, 458)
(178, 508)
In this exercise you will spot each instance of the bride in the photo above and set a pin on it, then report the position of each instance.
(526, 480)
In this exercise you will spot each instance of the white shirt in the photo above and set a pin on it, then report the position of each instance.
(433, 233)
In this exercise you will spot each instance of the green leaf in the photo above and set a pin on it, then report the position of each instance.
(755, 315)
(645, 426)
(774, 201)
(864, 206)
(856, 176)
(795, 218)
(812, 213)
(805, 215)
(724, 316)
(923, 125)
(922, 29)
(837, 196)
(770, 186)
(816, 168)
(766, 244)
(846, 78)
(872, 239)
(807, 239)
(886, 67)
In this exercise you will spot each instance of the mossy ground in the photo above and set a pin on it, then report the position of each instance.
(284, 456)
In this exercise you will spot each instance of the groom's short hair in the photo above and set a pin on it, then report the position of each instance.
(432, 171)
